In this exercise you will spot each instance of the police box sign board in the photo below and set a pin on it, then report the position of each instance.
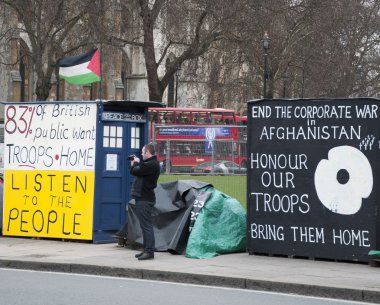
(124, 117)
(312, 173)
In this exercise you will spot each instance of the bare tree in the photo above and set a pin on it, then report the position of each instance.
(318, 47)
(348, 49)
(189, 29)
(48, 30)
(325, 48)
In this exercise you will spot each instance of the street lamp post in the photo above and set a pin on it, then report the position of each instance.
(176, 85)
(265, 41)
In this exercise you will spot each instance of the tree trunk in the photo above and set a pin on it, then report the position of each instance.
(148, 16)
(42, 92)
(43, 87)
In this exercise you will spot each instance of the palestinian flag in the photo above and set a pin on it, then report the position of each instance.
(82, 69)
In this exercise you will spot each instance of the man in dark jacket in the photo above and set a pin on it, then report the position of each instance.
(146, 175)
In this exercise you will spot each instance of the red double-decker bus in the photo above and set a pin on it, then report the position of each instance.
(187, 137)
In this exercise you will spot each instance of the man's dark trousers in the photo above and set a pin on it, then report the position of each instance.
(144, 214)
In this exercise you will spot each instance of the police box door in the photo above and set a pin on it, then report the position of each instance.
(113, 183)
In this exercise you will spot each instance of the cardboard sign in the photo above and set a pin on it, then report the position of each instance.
(49, 169)
(312, 171)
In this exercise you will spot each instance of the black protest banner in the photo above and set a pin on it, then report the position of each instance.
(313, 167)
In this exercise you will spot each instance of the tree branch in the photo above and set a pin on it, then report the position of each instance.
(163, 55)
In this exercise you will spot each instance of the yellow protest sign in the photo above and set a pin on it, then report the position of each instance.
(49, 175)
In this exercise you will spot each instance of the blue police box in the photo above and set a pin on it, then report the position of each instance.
(123, 129)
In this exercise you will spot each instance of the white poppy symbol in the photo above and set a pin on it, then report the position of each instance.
(343, 180)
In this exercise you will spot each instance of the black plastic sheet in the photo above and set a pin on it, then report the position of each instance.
(171, 215)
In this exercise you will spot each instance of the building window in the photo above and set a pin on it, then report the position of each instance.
(113, 136)
(16, 86)
(119, 90)
(135, 137)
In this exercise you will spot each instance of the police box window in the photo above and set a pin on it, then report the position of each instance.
(135, 137)
(113, 136)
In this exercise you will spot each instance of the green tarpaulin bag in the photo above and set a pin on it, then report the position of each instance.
(220, 227)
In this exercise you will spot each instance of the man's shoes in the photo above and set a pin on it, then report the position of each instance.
(139, 254)
(146, 256)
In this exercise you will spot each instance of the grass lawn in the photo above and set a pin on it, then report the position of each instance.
(234, 186)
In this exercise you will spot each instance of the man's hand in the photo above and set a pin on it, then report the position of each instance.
(135, 159)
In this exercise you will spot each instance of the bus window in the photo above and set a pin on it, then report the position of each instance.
(187, 150)
(223, 148)
(161, 119)
(166, 117)
(162, 148)
(200, 118)
(169, 118)
(221, 118)
(176, 149)
(182, 117)
(228, 118)
(216, 120)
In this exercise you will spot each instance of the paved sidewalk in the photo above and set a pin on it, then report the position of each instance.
(348, 281)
